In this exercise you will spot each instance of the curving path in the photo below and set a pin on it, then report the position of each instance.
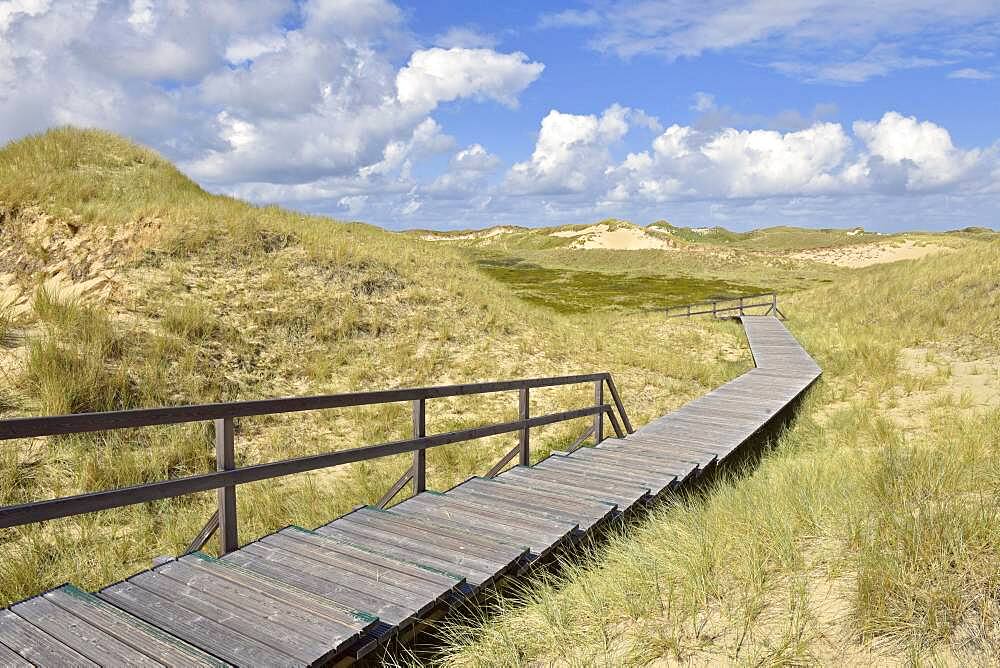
(333, 594)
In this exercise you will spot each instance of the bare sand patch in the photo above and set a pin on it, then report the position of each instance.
(967, 385)
(864, 256)
(623, 238)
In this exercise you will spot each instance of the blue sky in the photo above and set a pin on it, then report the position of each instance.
(457, 115)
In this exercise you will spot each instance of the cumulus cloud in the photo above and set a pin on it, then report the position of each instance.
(440, 75)
(572, 151)
(234, 94)
(894, 153)
(918, 154)
(466, 176)
(334, 106)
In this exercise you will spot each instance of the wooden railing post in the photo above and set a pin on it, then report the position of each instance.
(599, 417)
(419, 456)
(225, 460)
(714, 305)
(741, 305)
(523, 442)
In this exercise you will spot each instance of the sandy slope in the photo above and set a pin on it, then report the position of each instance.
(601, 236)
(864, 256)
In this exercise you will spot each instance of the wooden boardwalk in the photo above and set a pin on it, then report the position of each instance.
(333, 594)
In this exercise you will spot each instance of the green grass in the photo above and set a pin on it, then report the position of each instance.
(576, 291)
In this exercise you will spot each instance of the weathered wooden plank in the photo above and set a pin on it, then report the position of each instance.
(489, 552)
(366, 568)
(309, 621)
(389, 587)
(279, 566)
(597, 469)
(663, 459)
(690, 457)
(88, 640)
(637, 463)
(407, 567)
(589, 480)
(692, 448)
(624, 496)
(646, 470)
(465, 521)
(35, 645)
(426, 543)
(391, 604)
(392, 545)
(12, 659)
(568, 492)
(281, 638)
(202, 632)
(486, 491)
(478, 519)
(129, 629)
(516, 520)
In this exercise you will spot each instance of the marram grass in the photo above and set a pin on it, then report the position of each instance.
(227, 301)
(855, 540)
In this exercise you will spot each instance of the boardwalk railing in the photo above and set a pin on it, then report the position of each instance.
(733, 305)
(228, 475)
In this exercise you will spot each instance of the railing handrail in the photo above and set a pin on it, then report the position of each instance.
(741, 305)
(40, 511)
(78, 423)
(721, 299)
(228, 476)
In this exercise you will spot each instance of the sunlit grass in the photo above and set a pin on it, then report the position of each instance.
(229, 301)
(853, 540)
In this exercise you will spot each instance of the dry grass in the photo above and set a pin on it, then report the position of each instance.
(853, 541)
(225, 301)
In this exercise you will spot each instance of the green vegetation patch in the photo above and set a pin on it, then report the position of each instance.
(579, 291)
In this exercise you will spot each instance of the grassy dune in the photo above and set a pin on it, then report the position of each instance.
(209, 298)
(869, 533)
(869, 530)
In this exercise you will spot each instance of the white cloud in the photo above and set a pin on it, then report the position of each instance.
(570, 18)
(971, 73)
(354, 204)
(894, 154)
(703, 101)
(572, 151)
(351, 18)
(465, 37)
(440, 75)
(840, 40)
(921, 154)
(249, 48)
(466, 176)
